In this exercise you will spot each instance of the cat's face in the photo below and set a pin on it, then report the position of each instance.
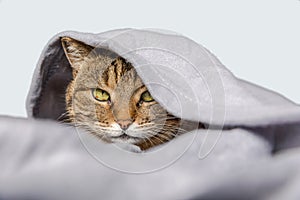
(109, 99)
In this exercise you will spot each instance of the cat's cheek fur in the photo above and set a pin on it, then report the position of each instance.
(104, 115)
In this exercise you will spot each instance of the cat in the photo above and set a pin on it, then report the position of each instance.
(108, 99)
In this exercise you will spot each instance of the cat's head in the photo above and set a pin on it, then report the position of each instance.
(109, 99)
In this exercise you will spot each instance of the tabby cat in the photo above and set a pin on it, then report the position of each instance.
(108, 99)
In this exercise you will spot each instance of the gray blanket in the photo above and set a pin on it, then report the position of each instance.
(249, 151)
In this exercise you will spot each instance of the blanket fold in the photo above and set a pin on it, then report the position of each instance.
(45, 160)
(184, 77)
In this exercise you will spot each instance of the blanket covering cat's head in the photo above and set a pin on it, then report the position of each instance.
(108, 99)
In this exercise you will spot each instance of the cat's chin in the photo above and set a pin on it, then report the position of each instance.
(124, 138)
(129, 147)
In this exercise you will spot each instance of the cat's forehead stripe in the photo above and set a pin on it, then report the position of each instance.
(116, 71)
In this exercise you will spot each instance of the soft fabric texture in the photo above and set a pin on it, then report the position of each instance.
(250, 151)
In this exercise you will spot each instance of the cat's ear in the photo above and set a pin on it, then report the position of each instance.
(75, 51)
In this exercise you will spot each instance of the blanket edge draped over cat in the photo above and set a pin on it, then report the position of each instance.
(183, 76)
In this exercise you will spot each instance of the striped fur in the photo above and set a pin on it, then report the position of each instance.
(150, 123)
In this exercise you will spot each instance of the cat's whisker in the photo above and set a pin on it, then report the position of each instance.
(157, 128)
(172, 126)
(65, 115)
(164, 118)
(149, 136)
(158, 138)
(149, 139)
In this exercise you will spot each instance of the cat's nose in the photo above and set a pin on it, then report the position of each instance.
(124, 124)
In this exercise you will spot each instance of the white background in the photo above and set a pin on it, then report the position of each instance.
(258, 40)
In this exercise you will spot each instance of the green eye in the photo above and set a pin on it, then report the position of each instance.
(100, 95)
(146, 97)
